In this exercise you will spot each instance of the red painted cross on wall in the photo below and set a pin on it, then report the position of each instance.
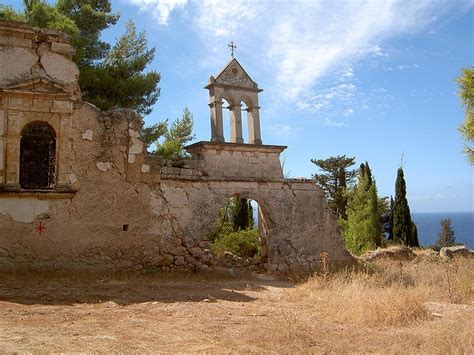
(40, 228)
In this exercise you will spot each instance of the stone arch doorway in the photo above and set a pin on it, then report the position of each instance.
(240, 241)
(37, 156)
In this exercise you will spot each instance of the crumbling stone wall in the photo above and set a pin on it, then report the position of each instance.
(126, 210)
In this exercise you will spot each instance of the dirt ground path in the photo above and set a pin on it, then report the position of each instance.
(165, 314)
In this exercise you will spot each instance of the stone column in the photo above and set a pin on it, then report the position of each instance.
(63, 148)
(217, 126)
(12, 180)
(236, 124)
(14, 123)
(254, 125)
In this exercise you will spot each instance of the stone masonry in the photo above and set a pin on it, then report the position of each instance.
(114, 207)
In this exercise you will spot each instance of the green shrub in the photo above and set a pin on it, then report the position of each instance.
(244, 243)
(219, 230)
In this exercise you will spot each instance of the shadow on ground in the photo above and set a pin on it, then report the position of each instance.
(127, 289)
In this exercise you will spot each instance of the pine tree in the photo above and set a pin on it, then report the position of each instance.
(403, 231)
(91, 17)
(466, 93)
(119, 81)
(446, 234)
(172, 139)
(334, 180)
(176, 137)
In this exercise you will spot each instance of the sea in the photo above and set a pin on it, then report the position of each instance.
(428, 225)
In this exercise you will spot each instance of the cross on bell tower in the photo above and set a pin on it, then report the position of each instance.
(232, 46)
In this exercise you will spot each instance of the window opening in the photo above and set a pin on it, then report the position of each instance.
(37, 156)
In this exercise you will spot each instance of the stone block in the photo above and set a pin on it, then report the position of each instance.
(103, 166)
(61, 106)
(178, 251)
(196, 251)
(145, 168)
(60, 68)
(19, 42)
(136, 147)
(87, 135)
(170, 171)
(133, 133)
(41, 105)
(187, 172)
(20, 67)
(19, 103)
(62, 48)
(162, 260)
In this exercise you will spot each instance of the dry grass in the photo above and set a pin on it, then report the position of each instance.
(388, 293)
(421, 306)
(393, 296)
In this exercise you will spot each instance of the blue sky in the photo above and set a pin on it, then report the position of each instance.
(370, 79)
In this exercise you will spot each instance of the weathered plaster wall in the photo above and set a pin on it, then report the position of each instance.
(28, 53)
(119, 208)
(238, 160)
(168, 220)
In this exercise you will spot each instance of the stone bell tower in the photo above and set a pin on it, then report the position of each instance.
(236, 159)
(235, 86)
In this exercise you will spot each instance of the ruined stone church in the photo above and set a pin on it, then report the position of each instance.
(78, 190)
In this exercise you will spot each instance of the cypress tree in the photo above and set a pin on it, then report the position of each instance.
(251, 222)
(240, 216)
(389, 229)
(362, 231)
(414, 235)
(365, 171)
(403, 231)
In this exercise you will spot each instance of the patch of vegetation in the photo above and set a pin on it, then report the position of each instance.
(244, 243)
(169, 142)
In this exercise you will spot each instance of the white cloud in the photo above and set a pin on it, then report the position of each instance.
(160, 9)
(329, 122)
(297, 45)
(324, 99)
(348, 73)
(222, 18)
(282, 130)
(310, 39)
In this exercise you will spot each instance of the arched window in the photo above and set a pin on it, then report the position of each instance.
(37, 156)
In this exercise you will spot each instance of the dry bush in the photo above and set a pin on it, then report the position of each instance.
(387, 292)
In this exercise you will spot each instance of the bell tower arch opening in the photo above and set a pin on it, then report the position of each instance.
(226, 119)
(238, 89)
